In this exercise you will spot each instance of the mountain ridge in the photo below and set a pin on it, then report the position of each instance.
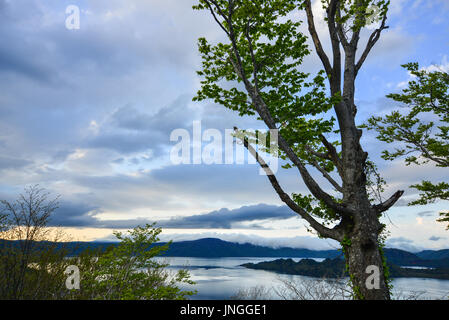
(217, 248)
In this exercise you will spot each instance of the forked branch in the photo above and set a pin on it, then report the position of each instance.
(387, 204)
(316, 40)
(370, 44)
(322, 230)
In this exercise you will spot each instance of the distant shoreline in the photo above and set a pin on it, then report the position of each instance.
(216, 248)
(335, 268)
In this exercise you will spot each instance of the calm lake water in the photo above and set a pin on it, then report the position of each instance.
(221, 278)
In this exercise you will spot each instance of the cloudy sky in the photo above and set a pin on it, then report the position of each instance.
(87, 114)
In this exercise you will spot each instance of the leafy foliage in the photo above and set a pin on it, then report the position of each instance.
(316, 208)
(420, 141)
(33, 261)
(129, 271)
(356, 14)
(270, 48)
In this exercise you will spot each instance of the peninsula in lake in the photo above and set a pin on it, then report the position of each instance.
(335, 268)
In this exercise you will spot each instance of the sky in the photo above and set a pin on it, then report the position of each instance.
(88, 113)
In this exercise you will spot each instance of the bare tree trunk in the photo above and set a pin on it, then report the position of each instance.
(361, 229)
(360, 255)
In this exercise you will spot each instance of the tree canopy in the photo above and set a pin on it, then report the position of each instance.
(129, 270)
(257, 71)
(420, 130)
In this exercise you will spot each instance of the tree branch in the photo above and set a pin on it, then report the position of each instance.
(327, 175)
(333, 154)
(316, 39)
(324, 156)
(370, 44)
(214, 15)
(384, 206)
(322, 230)
(343, 39)
(336, 69)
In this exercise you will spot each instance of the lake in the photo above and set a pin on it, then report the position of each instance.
(222, 278)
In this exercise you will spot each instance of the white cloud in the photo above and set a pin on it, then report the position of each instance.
(442, 67)
(261, 238)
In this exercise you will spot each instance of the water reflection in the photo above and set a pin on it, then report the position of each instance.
(222, 278)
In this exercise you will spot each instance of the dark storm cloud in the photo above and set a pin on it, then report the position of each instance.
(71, 214)
(81, 215)
(13, 61)
(436, 238)
(402, 243)
(13, 163)
(160, 189)
(74, 214)
(18, 54)
(130, 130)
(225, 218)
(425, 213)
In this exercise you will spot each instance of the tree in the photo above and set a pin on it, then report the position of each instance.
(418, 140)
(128, 271)
(34, 260)
(26, 250)
(261, 60)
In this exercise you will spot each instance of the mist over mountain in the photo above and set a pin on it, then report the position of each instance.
(216, 248)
